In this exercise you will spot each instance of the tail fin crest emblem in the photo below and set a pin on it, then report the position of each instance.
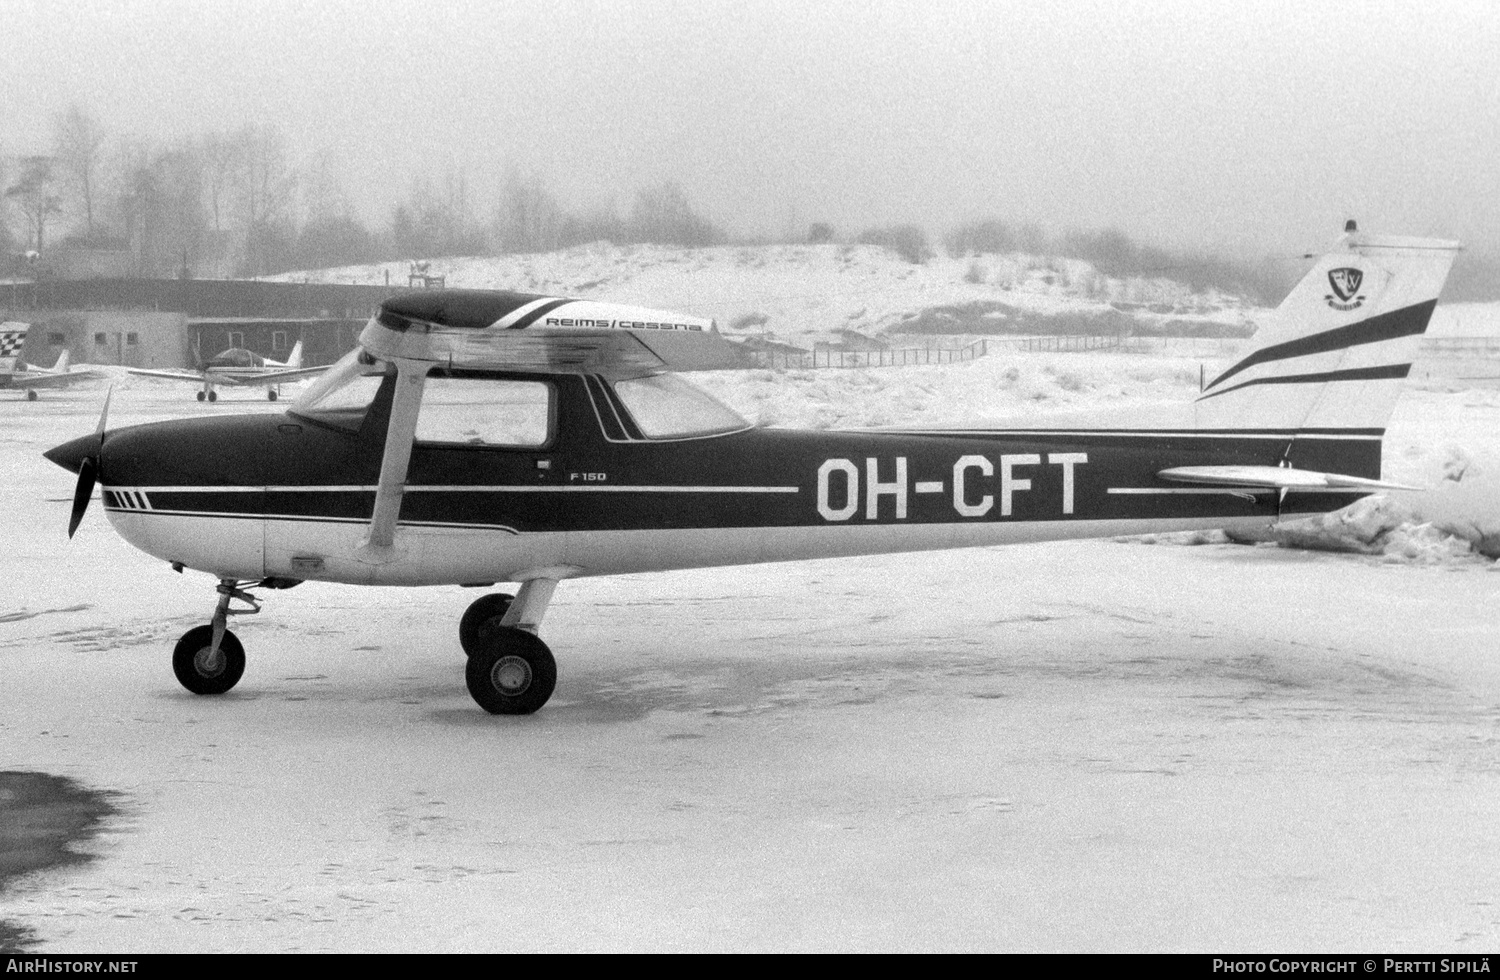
(1345, 283)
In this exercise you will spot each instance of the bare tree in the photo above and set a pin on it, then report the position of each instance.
(437, 222)
(161, 205)
(7, 242)
(267, 185)
(79, 145)
(222, 156)
(35, 194)
(662, 215)
(529, 219)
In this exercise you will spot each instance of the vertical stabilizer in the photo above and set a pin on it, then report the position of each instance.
(1336, 351)
(295, 360)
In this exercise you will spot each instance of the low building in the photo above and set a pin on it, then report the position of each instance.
(176, 340)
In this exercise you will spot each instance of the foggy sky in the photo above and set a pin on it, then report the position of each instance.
(1247, 127)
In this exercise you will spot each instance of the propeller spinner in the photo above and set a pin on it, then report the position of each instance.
(82, 456)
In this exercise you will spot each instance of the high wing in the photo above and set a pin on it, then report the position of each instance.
(526, 332)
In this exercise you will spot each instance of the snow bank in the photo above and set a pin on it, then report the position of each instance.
(1381, 526)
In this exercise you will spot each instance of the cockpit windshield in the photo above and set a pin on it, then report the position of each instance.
(664, 406)
(341, 395)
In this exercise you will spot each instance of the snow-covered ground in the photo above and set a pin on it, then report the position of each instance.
(1109, 745)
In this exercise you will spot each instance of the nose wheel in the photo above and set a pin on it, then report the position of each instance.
(209, 659)
(205, 669)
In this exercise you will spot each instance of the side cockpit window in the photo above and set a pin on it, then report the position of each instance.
(665, 406)
(473, 411)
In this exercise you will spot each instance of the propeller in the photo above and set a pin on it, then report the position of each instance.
(83, 455)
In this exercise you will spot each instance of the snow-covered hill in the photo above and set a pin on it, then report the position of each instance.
(807, 293)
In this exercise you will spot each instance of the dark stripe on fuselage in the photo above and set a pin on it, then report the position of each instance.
(1383, 372)
(1404, 322)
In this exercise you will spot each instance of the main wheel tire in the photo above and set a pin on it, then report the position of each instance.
(202, 395)
(31, 394)
(481, 609)
(213, 396)
(202, 674)
(271, 394)
(511, 672)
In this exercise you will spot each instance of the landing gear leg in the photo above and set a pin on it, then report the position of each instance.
(511, 671)
(209, 659)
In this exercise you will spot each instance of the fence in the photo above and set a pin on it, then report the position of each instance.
(1075, 342)
(1474, 347)
(872, 358)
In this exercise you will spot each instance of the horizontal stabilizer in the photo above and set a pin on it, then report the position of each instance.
(1279, 477)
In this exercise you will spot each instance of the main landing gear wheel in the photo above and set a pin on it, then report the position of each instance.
(202, 395)
(203, 670)
(31, 394)
(213, 396)
(511, 671)
(271, 395)
(485, 607)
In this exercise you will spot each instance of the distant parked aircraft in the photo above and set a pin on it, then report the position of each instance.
(239, 367)
(16, 373)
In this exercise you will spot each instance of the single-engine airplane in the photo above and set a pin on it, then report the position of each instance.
(482, 437)
(16, 373)
(239, 367)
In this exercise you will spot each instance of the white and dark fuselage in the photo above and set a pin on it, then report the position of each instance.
(290, 496)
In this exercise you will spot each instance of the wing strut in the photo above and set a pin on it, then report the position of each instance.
(411, 377)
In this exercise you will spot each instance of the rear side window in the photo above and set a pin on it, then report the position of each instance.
(665, 406)
(485, 412)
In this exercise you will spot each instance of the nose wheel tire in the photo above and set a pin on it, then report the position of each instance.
(485, 607)
(510, 671)
(202, 670)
